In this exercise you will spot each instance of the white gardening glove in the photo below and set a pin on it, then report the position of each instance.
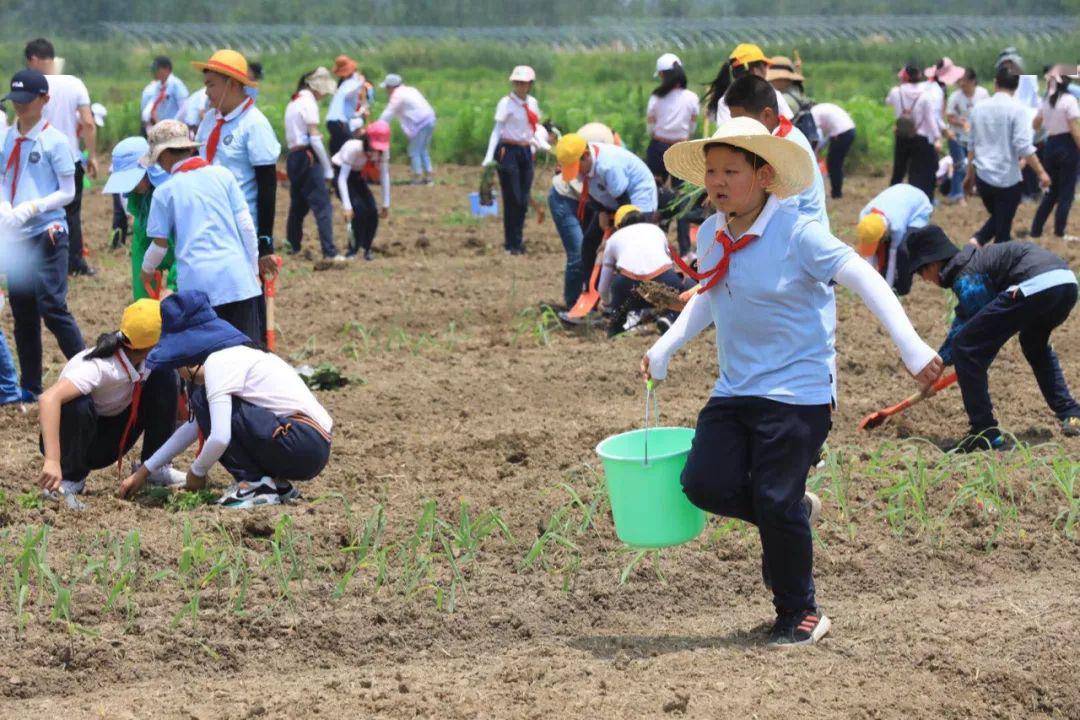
(24, 211)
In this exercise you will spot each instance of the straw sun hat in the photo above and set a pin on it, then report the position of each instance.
(229, 63)
(793, 166)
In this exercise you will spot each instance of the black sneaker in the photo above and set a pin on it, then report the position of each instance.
(82, 269)
(813, 509)
(368, 256)
(1070, 427)
(249, 495)
(287, 492)
(804, 627)
(990, 439)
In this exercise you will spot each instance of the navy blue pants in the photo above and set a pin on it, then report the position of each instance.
(654, 158)
(264, 445)
(1061, 159)
(73, 215)
(339, 135)
(515, 180)
(1001, 203)
(38, 291)
(365, 222)
(308, 191)
(977, 344)
(89, 441)
(247, 316)
(839, 147)
(624, 299)
(749, 460)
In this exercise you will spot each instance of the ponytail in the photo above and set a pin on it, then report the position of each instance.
(718, 87)
(1057, 87)
(303, 82)
(671, 79)
(106, 346)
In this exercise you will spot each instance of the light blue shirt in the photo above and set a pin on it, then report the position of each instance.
(176, 93)
(190, 112)
(1045, 281)
(811, 201)
(247, 141)
(905, 208)
(1001, 136)
(617, 172)
(774, 311)
(203, 209)
(43, 160)
(343, 104)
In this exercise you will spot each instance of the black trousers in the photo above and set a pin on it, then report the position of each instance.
(339, 135)
(624, 300)
(119, 222)
(89, 441)
(1033, 318)
(244, 315)
(308, 192)
(839, 147)
(749, 460)
(515, 181)
(73, 211)
(1061, 159)
(903, 148)
(365, 222)
(1001, 203)
(922, 170)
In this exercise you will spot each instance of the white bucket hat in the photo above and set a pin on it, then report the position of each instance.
(793, 166)
(167, 135)
(321, 81)
(523, 73)
(666, 62)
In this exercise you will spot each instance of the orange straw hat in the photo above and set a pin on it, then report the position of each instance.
(344, 66)
(229, 63)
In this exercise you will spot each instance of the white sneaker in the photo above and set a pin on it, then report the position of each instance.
(165, 476)
(1070, 238)
(68, 490)
(250, 495)
(340, 258)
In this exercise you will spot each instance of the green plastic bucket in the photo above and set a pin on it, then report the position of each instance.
(647, 499)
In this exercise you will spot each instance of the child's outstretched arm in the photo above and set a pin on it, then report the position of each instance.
(694, 318)
(919, 358)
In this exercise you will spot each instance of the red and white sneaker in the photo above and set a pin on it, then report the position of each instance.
(804, 627)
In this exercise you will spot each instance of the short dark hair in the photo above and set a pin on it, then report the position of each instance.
(255, 69)
(162, 61)
(970, 74)
(754, 159)
(752, 94)
(39, 48)
(1006, 79)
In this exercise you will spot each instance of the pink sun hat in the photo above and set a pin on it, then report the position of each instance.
(945, 71)
(378, 135)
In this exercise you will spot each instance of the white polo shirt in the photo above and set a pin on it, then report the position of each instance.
(1058, 119)
(674, 116)
(110, 382)
(299, 114)
(832, 120)
(639, 249)
(67, 94)
(510, 112)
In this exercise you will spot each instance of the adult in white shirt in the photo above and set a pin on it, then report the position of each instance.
(308, 164)
(1059, 116)
(417, 119)
(511, 146)
(69, 112)
(105, 399)
(929, 118)
(746, 58)
(163, 98)
(192, 111)
(260, 420)
(670, 117)
(902, 99)
(636, 252)
(837, 130)
(364, 159)
(958, 115)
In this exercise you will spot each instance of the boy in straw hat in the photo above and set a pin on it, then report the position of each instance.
(765, 271)
(203, 207)
(236, 135)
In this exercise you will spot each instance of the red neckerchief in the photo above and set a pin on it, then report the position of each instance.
(133, 416)
(160, 99)
(584, 199)
(712, 277)
(16, 159)
(215, 134)
(532, 117)
(191, 164)
(784, 128)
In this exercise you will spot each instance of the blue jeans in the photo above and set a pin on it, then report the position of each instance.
(419, 156)
(564, 215)
(958, 152)
(10, 391)
(1032, 318)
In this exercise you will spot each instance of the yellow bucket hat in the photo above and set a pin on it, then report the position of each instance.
(141, 324)
(622, 212)
(229, 63)
(869, 232)
(568, 152)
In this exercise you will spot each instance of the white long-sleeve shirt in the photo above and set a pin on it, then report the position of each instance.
(352, 157)
(410, 108)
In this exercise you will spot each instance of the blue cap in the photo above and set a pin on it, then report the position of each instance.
(191, 331)
(27, 86)
(126, 171)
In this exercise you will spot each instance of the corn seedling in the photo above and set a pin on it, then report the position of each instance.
(1063, 478)
(907, 500)
(539, 324)
(288, 558)
(31, 500)
(838, 474)
(636, 557)
(990, 493)
(365, 550)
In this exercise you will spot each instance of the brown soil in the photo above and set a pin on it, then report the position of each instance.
(466, 391)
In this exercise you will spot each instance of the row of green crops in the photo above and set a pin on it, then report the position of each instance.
(465, 80)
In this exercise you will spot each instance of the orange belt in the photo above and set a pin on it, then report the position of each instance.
(646, 278)
(503, 141)
(668, 141)
(304, 419)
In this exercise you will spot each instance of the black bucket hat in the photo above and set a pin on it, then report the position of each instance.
(918, 249)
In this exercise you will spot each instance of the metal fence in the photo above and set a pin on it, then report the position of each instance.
(609, 32)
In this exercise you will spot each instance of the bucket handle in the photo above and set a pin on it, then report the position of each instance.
(650, 395)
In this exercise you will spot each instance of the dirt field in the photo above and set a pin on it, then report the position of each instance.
(947, 606)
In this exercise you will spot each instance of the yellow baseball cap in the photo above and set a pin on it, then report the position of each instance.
(622, 212)
(568, 152)
(141, 324)
(869, 232)
(746, 53)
